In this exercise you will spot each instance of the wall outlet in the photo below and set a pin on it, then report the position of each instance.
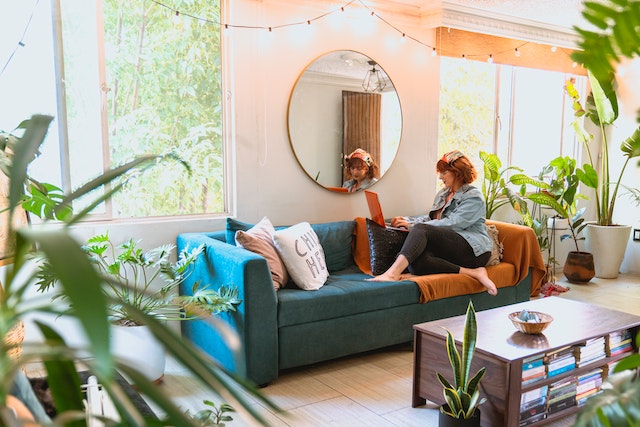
(636, 235)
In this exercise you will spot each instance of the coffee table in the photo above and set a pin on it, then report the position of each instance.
(501, 348)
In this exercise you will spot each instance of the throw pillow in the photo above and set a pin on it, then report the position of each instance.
(384, 245)
(259, 239)
(496, 251)
(303, 255)
(233, 225)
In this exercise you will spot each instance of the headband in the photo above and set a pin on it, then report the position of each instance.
(451, 157)
(359, 153)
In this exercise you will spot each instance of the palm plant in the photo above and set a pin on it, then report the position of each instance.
(81, 284)
(463, 396)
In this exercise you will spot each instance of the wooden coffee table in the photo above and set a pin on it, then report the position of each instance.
(501, 348)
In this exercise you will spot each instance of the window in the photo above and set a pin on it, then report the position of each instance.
(132, 79)
(520, 114)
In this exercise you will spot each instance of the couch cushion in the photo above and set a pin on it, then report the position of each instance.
(335, 238)
(344, 293)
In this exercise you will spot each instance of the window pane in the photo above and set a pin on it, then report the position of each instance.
(467, 108)
(161, 93)
(537, 118)
(27, 79)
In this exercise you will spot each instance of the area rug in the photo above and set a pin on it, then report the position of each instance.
(41, 389)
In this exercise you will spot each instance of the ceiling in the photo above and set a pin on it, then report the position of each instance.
(561, 13)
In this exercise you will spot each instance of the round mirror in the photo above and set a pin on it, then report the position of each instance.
(343, 101)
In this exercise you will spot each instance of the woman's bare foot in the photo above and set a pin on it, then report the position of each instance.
(480, 274)
(384, 277)
(393, 273)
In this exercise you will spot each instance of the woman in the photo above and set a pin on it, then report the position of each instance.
(362, 171)
(452, 237)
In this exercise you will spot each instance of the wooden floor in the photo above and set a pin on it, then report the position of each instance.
(374, 389)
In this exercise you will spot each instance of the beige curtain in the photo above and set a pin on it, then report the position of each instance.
(361, 123)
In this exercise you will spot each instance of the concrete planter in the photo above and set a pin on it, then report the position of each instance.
(608, 245)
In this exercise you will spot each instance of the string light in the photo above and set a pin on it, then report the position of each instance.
(342, 8)
(553, 48)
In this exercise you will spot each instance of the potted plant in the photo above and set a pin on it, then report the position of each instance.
(129, 275)
(81, 283)
(560, 192)
(615, 37)
(495, 187)
(463, 396)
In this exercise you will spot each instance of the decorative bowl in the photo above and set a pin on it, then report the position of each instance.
(531, 327)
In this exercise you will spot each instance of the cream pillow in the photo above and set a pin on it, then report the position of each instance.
(300, 249)
(259, 239)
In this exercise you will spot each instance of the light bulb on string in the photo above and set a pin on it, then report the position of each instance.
(553, 48)
(433, 52)
(517, 53)
(490, 59)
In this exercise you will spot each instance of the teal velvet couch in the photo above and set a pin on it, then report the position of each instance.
(291, 327)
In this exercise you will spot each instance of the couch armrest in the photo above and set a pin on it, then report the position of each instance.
(255, 319)
(521, 248)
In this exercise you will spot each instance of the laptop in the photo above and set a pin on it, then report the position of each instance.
(375, 210)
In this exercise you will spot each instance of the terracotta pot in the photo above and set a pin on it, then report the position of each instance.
(445, 420)
(579, 267)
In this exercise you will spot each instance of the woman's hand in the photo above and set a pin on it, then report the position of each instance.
(400, 222)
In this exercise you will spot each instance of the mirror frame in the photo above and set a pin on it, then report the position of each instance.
(326, 77)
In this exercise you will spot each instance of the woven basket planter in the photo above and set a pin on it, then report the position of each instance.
(14, 339)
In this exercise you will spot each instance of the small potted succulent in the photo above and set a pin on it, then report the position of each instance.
(463, 396)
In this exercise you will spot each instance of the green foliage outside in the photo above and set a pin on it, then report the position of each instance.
(467, 94)
(163, 92)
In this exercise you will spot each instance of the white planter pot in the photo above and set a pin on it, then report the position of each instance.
(137, 347)
(608, 245)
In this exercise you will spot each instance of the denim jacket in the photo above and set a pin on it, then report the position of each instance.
(464, 214)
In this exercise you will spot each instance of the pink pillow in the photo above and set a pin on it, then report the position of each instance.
(259, 239)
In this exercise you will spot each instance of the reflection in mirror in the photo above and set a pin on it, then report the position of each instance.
(342, 101)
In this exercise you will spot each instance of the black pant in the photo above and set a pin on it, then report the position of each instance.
(430, 249)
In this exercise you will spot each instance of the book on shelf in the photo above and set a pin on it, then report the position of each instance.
(561, 363)
(558, 353)
(532, 420)
(589, 385)
(533, 407)
(534, 394)
(568, 389)
(535, 378)
(561, 402)
(561, 370)
(617, 339)
(625, 348)
(532, 361)
(582, 398)
(582, 362)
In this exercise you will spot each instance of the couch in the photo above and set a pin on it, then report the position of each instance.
(291, 327)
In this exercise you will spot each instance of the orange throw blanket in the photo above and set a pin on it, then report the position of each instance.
(521, 252)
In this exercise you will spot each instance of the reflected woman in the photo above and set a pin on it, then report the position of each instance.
(362, 171)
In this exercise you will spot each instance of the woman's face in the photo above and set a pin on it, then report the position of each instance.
(358, 170)
(448, 178)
